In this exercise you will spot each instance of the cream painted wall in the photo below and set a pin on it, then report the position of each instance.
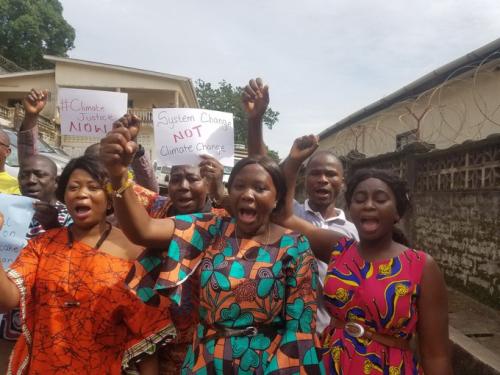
(467, 108)
(79, 75)
(18, 87)
(146, 99)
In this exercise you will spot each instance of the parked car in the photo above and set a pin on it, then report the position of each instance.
(163, 175)
(59, 157)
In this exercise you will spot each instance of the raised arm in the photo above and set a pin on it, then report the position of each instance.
(255, 100)
(117, 151)
(432, 325)
(34, 102)
(213, 172)
(321, 240)
(141, 166)
(9, 294)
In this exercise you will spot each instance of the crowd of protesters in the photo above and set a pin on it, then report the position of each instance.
(214, 279)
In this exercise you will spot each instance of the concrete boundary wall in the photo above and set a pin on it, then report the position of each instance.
(455, 214)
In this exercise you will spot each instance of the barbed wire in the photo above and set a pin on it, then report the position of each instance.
(465, 106)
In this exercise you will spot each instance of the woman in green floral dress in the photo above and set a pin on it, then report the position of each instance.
(257, 279)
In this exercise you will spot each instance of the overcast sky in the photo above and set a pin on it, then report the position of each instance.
(323, 59)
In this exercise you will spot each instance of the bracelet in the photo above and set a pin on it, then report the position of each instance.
(219, 203)
(118, 192)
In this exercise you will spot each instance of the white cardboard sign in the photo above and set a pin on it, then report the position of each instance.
(17, 212)
(90, 113)
(182, 134)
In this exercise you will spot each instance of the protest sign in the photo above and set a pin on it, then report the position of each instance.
(17, 212)
(182, 134)
(90, 113)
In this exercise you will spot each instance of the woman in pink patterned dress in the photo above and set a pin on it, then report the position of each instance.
(379, 292)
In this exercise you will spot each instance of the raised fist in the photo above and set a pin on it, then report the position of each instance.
(255, 98)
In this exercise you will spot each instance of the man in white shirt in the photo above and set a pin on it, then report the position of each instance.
(324, 178)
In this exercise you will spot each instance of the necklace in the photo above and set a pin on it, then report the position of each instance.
(238, 243)
(102, 238)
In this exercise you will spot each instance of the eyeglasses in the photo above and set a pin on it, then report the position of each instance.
(5, 145)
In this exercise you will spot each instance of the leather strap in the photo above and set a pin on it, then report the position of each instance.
(370, 334)
(250, 331)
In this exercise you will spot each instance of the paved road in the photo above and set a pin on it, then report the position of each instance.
(479, 322)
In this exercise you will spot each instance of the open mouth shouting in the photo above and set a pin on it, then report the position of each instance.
(369, 224)
(322, 193)
(81, 211)
(247, 215)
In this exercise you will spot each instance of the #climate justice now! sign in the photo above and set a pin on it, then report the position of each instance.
(90, 113)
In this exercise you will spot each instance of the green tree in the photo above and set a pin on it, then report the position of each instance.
(273, 155)
(30, 29)
(227, 98)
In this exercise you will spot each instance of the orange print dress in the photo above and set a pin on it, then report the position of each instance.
(78, 317)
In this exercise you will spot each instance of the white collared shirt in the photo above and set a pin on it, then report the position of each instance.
(338, 224)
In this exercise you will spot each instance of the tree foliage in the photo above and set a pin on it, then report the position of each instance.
(30, 29)
(227, 98)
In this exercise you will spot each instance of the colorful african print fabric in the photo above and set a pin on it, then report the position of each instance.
(241, 285)
(380, 295)
(78, 316)
(185, 317)
(11, 322)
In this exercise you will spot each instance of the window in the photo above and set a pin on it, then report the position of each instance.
(406, 138)
(13, 102)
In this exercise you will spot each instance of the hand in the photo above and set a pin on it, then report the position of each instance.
(303, 147)
(46, 214)
(117, 151)
(212, 171)
(35, 101)
(131, 122)
(1, 220)
(255, 98)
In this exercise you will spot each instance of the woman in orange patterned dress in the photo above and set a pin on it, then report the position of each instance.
(77, 315)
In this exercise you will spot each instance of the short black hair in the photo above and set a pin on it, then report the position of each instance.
(89, 164)
(397, 185)
(327, 153)
(271, 167)
(52, 165)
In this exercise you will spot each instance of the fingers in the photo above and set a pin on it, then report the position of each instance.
(255, 88)
(117, 145)
(44, 209)
(209, 159)
(119, 135)
(210, 167)
(307, 141)
(130, 122)
(37, 95)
